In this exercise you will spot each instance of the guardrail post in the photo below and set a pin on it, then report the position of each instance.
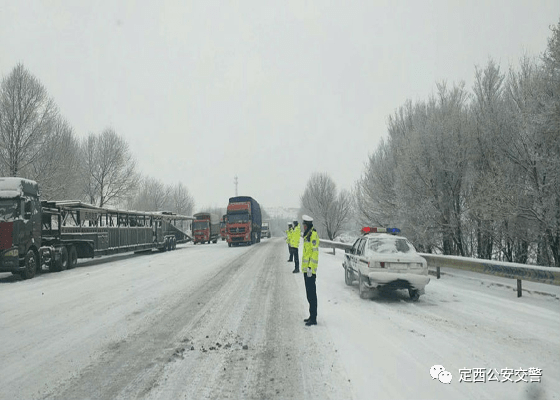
(437, 274)
(519, 291)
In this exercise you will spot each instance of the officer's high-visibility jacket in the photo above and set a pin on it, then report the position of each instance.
(310, 258)
(296, 235)
(288, 236)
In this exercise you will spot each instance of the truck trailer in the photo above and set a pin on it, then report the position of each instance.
(206, 228)
(38, 235)
(243, 221)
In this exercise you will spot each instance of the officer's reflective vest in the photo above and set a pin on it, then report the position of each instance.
(310, 258)
(296, 235)
(288, 236)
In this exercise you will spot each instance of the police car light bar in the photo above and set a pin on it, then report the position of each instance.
(369, 229)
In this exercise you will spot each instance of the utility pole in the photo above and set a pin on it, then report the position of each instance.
(235, 182)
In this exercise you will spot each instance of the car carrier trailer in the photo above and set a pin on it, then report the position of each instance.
(40, 235)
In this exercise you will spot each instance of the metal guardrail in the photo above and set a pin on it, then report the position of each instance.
(520, 272)
(334, 245)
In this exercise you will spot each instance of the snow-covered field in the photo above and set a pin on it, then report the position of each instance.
(208, 321)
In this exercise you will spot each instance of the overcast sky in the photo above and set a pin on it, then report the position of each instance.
(268, 91)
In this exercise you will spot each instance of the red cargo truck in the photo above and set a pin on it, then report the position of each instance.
(206, 228)
(243, 221)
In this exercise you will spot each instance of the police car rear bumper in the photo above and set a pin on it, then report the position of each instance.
(397, 280)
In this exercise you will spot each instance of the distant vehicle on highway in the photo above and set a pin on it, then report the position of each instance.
(206, 228)
(265, 230)
(380, 260)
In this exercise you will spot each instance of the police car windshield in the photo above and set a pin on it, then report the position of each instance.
(9, 209)
(389, 245)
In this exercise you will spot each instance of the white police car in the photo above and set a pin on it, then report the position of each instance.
(383, 261)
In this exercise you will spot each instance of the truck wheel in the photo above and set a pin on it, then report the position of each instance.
(229, 245)
(30, 265)
(63, 262)
(72, 257)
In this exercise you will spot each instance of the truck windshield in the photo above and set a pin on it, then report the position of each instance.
(200, 225)
(238, 218)
(9, 209)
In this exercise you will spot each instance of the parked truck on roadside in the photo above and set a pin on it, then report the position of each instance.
(243, 221)
(206, 228)
(265, 230)
(38, 235)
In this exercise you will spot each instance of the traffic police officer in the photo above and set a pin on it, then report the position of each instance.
(289, 241)
(294, 242)
(309, 263)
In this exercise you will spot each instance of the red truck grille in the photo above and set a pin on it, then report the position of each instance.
(236, 230)
(6, 238)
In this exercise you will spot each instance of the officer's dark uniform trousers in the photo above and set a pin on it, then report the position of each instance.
(311, 291)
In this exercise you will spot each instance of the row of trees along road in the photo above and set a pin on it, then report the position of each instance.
(475, 174)
(37, 143)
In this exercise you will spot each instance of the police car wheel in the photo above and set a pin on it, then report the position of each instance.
(362, 286)
(348, 276)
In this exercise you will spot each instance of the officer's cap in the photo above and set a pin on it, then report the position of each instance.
(307, 218)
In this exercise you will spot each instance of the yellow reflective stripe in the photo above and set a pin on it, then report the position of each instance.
(305, 260)
(315, 261)
(315, 249)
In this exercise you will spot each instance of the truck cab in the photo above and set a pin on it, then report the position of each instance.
(20, 226)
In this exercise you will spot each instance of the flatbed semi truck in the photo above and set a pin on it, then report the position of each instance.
(38, 235)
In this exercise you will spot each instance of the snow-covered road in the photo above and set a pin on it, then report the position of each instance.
(212, 322)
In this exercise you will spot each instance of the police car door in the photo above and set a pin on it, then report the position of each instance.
(355, 254)
(360, 253)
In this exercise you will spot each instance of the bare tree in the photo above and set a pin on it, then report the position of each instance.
(331, 211)
(26, 117)
(153, 195)
(109, 169)
(57, 164)
(180, 200)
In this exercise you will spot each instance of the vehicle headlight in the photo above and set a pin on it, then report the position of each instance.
(12, 253)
